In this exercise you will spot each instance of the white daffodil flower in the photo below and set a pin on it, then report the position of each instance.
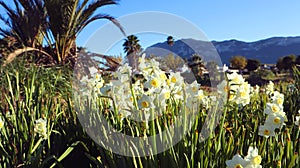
(266, 130)
(236, 162)
(41, 128)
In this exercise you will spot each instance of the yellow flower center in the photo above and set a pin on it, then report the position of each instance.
(97, 76)
(275, 108)
(266, 132)
(201, 96)
(231, 96)
(167, 95)
(277, 120)
(243, 94)
(280, 101)
(99, 85)
(131, 99)
(194, 89)
(40, 125)
(235, 79)
(154, 83)
(256, 160)
(173, 79)
(163, 76)
(168, 82)
(238, 166)
(144, 104)
(178, 92)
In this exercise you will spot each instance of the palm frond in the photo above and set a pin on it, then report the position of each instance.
(86, 14)
(17, 52)
(7, 23)
(17, 6)
(6, 7)
(25, 20)
(91, 8)
(102, 16)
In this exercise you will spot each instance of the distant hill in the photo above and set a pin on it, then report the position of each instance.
(267, 50)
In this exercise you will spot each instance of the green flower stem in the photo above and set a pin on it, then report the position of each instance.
(152, 131)
(36, 145)
(133, 95)
(262, 146)
(221, 127)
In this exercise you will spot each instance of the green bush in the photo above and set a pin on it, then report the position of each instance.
(261, 77)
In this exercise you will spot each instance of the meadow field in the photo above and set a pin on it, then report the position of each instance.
(40, 127)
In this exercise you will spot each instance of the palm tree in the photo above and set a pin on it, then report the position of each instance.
(26, 22)
(197, 66)
(67, 18)
(58, 22)
(132, 49)
(170, 41)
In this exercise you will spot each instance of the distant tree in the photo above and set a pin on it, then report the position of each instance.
(197, 66)
(252, 64)
(132, 49)
(212, 68)
(173, 62)
(238, 62)
(260, 77)
(286, 62)
(279, 64)
(169, 62)
(298, 60)
(289, 61)
(212, 65)
(170, 41)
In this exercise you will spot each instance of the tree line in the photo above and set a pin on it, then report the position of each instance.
(283, 63)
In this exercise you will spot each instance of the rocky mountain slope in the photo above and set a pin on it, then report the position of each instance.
(267, 50)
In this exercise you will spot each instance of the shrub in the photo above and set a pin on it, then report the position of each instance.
(261, 77)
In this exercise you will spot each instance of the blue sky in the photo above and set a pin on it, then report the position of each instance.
(247, 20)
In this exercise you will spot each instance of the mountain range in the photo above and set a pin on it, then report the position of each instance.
(266, 50)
